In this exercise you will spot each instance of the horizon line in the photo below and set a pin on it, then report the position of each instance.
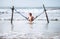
(27, 7)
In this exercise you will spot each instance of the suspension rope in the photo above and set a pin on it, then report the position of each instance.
(26, 17)
(21, 14)
(39, 15)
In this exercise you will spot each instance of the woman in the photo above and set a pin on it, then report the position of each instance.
(30, 18)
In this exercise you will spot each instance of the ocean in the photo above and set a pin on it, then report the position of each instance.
(22, 29)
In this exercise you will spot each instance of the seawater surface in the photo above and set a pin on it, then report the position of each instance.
(22, 29)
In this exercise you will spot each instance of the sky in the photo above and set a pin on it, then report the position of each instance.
(29, 3)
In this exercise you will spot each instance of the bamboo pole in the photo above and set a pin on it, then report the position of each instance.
(46, 13)
(12, 14)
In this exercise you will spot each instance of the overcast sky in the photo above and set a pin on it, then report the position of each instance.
(30, 3)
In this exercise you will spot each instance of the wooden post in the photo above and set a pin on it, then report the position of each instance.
(12, 14)
(46, 13)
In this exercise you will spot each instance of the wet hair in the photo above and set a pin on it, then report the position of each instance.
(30, 14)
